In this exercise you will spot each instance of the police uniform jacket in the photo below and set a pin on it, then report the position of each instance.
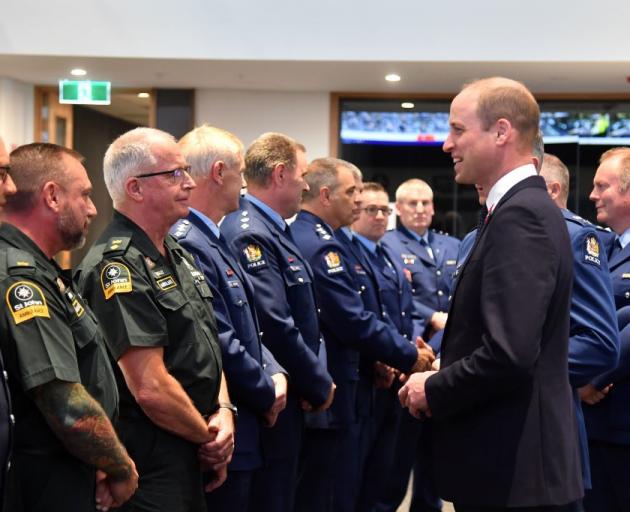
(49, 334)
(147, 300)
(431, 278)
(247, 364)
(609, 420)
(349, 328)
(286, 304)
(502, 396)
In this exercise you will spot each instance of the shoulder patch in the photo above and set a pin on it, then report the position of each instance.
(115, 278)
(25, 301)
(17, 258)
(254, 256)
(591, 250)
(333, 262)
(181, 229)
(117, 244)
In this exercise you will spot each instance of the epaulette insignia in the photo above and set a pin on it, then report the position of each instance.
(182, 228)
(117, 244)
(321, 232)
(17, 258)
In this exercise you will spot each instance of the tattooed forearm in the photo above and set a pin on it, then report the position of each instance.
(81, 424)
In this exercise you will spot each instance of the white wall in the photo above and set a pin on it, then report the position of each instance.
(16, 112)
(247, 114)
(405, 30)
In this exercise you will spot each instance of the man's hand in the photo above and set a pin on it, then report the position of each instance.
(412, 395)
(218, 452)
(280, 382)
(383, 375)
(220, 476)
(438, 320)
(435, 366)
(425, 357)
(113, 493)
(331, 394)
(590, 395)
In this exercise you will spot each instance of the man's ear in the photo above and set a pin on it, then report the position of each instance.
(278, 175)
(503, 129)
(555, 190)
(324, 196)
(133, 188)
(217, 170)
(51, 195)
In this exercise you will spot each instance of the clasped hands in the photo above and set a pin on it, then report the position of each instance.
(216, 454)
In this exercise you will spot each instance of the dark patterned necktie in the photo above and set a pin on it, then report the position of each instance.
(483, 215)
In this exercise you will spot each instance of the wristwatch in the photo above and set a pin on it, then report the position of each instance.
(231, 407)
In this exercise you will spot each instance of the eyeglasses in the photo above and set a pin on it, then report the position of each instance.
(176, 175)
(372, 211)
(4, 172)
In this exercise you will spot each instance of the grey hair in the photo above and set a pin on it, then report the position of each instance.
(129, 155)
(204, 145)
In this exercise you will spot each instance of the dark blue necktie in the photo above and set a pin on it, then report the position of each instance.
(616, 248)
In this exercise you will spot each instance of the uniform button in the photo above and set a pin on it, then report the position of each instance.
(240, 302)
(362, 288)
(384, 313)
(264, 365)
(402, 314)
(413, 290)
(439, 272)
(627, 295)
(405, 336)
(12, 419)
(319, 311)
(261, 334)
(8, 465)
(440, 293)
(300, 280)
(5, 375)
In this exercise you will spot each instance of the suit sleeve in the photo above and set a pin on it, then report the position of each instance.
(515, 296)
(283, 338)
(594, 337)
(247, 380)
(343, 312)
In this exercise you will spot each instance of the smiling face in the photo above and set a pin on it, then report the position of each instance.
(470, 145)
(611, 202)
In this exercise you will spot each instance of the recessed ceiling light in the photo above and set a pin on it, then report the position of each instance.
(407, 104)
(392, 77)
(143, 95)
(78, 72)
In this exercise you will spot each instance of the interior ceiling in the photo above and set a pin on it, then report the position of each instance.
(417, 77)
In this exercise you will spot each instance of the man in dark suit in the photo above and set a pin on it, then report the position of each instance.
(285, 300)
(606, 408)
(505, 435)
(255, 382)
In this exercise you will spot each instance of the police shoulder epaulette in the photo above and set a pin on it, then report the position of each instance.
(245, 220)
(117, 244)
(17, 258)
(321, 232)
(181, 229)
(602, 228)
(579, 220)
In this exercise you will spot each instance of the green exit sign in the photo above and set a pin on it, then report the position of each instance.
(85, 92)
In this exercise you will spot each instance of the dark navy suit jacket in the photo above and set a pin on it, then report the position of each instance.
(247, 364)
(287, 308)
(349, 327)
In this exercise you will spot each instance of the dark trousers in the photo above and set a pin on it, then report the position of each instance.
(49, 483)
(170, 477)
(412, 450)
(273, 486)
(233, 495)
(316, 480)
(610, 475)
(576, 506)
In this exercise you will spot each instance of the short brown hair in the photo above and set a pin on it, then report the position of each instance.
(503, 98)
(268, 151)
(373, 186)
(624, 161)
(32, 165)
(324, 172)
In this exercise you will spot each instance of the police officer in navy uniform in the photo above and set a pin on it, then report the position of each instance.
(256, 383)
(285, 300)
(606, 407)
(388, 436)
(348, 327)
(430, 257)
(62, 384)
(156, 310)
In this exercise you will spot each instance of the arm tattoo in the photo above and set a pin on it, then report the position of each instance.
(83, 427)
